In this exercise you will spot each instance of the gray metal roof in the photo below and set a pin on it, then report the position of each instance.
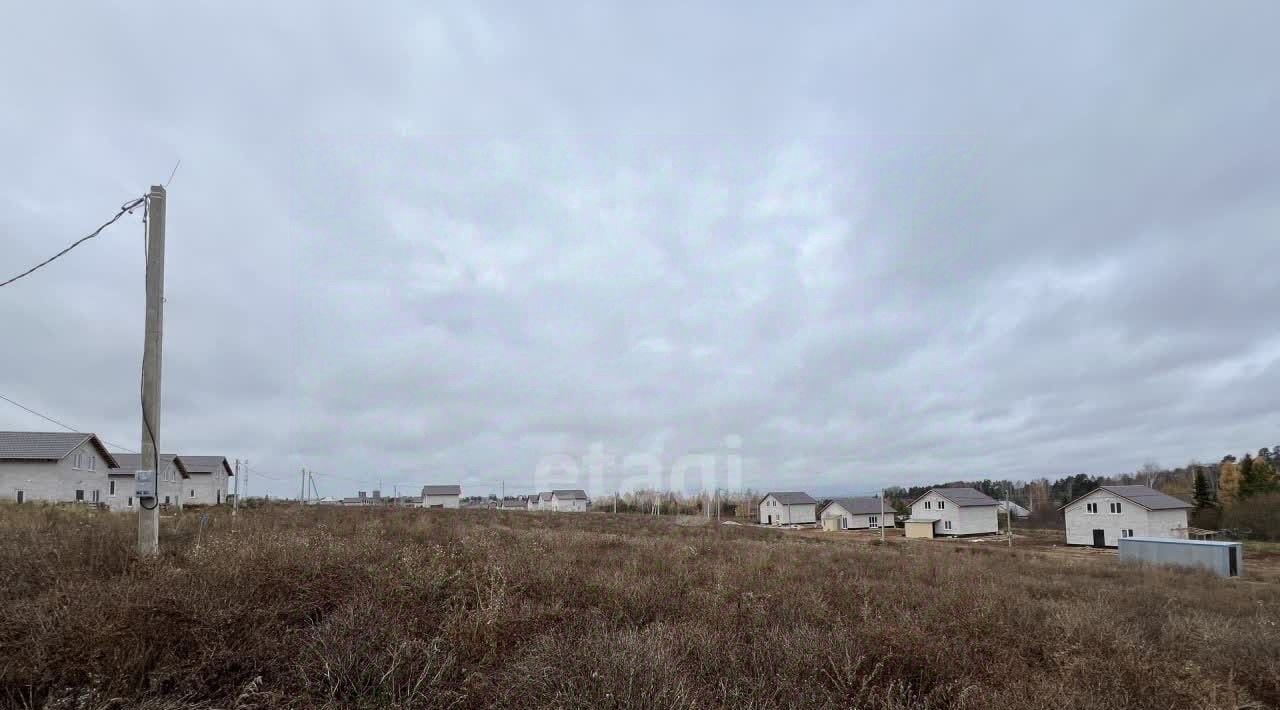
(48, 445)
(962, 496)
(205, 464)
(861, 505)
(545, 495)
(1147, 497)
(570, 494)
(791, 497)
(441, 491)
(133, 462)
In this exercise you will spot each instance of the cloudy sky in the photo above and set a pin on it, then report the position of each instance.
(863, 243)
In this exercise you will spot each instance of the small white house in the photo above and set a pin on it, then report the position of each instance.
(859, 513)
(441, 496)
(1101, 517)
(569, 501)
(788, 508)
(207, 480)
(54, 467)
(953, 512)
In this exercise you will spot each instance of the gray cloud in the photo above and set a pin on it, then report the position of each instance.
(879, 244)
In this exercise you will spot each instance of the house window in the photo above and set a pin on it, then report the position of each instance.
(130, 501)
(1126, 533)
(193, 493)
(112, 487)
(95, 495)
(166, 500)
(1115, 507)
(946, 524)
(928, 505)
(21, 496)
(79, 495)
(942, 504)
(93, 464)
(1090, 507)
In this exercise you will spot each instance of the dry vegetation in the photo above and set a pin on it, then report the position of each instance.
(412, 608)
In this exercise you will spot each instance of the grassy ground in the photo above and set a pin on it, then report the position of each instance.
(413, 608)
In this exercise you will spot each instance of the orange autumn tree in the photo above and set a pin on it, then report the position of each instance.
(1228, 480)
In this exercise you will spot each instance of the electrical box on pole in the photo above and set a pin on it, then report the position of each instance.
(144, 486)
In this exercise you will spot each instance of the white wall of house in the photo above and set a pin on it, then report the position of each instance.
(120, 496)
(56, 482)
(568, 505)
(955, 520)
(1144, 523)
(440, 501)
(849, 521)
(773, 512)
(204, 488)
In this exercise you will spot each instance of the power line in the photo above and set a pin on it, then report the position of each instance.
(127, 207)
(55, 421)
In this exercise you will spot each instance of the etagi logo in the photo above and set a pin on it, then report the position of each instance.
(600, 473)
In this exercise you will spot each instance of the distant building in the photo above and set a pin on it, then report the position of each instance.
(1017, 510)
(441, 496)
(54, 467)
(860, 513)
(569, 501)
(541, 501)
(788, 508)
(514, 504)
(168, 482)
(953, 512)
(207, 479)
(1105, 515)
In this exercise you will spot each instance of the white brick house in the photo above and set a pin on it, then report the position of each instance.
(860, 513)
(569, 501)
(54, 467)
(957, 511)
(788, 508)
(1103, 516)
(207, 479)
(441, 496)
(541, 501)
(168, 482)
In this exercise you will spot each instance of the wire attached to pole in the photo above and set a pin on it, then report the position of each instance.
(126, 208)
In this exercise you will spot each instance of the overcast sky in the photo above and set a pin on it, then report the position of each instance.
(886, 244)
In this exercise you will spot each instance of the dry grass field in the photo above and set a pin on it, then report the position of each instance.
(293, 608)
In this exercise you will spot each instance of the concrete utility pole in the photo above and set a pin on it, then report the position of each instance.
(246, 478)
(302, 495)
(1008, 517)
(881, 515)
(235, 502)
(149, 519)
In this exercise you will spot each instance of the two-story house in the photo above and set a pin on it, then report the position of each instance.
(54, 467)
(1103, 516)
